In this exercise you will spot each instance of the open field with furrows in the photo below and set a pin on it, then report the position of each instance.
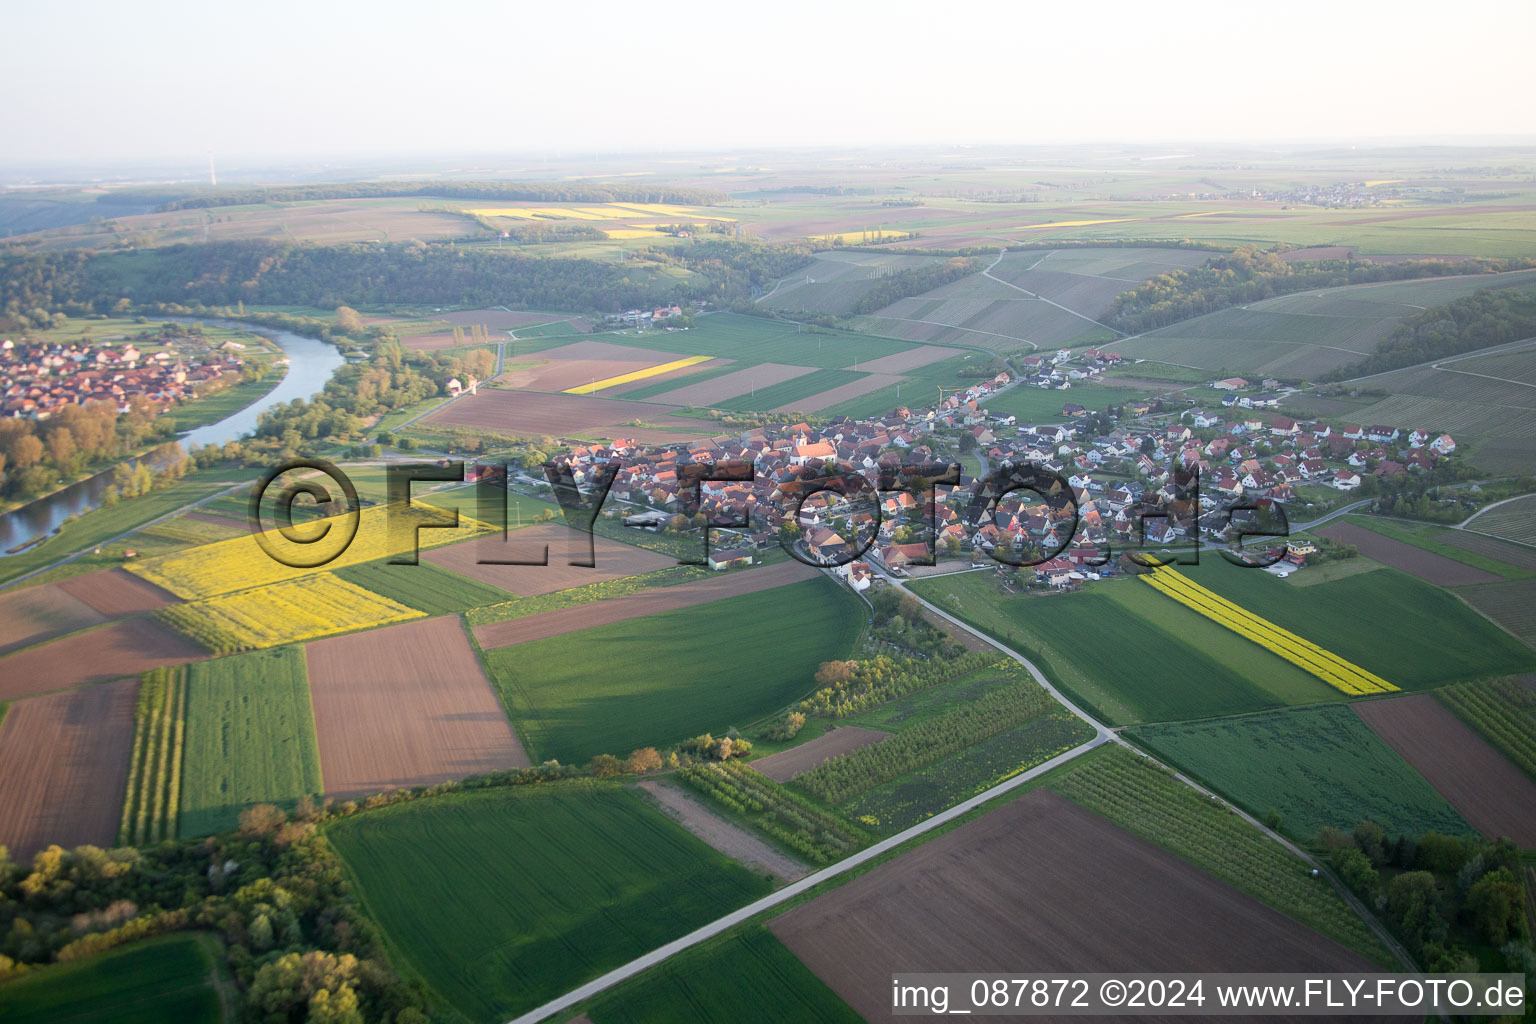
(1513, 520)
(1426, 565)
(383, 531)
(1511, 603)
(570, 881)
(705, 393)
(1435, 638)
(662, 678)
(534, 413)
(552, 542)
(580, 363)
(424, 586)
(1503, 711)
(159, 979)
(1143, 798)
(281, 613)
(1318, 766)
(961, 903)
(710, 824)
(1132, 657)
(980, 312)
(1485, 788)
(783, 766)
(1481, 546)
(250, 738)
(1339, 673)
(916, 388)
(649, 601)
(837, 280)
(53, 609)
(1044, 405)
(155, 767)
(747, 977)
(63, 766)
(408, 705)
(1500, 559)
(118, 649)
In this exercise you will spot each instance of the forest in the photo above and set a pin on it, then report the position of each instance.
(259, 272)
(1477, 321)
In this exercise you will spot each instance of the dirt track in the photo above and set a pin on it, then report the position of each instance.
(633, 606)
(1041, 885)
(612, 559)
(63, 767)
(1497, 798)
(405, 705)
(785, 766)
(1426, 565)
(108, 652)
(734, 842)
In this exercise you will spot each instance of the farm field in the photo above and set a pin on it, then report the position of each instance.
(803, 827)
(240, 563)
(1105, 652)
(124, 648)
(1503, 712)
(572, 880)
(1499, 558)
(1318, 766)
(835, 281)
(1043, 405)
(1511, 603)
(783, 766)
(1514, 520)
(747, 977)
(424, 586)
(1416, 561)
(580, 364)
(250, 738)
(1142, 798)
(712, 826)
(155, 768)
(634, 605)
(1435, 638)
(960, 903)
(159, 979)
(1499, 551)
(652, 680)
(41, 613)
(279, 613)
(1490, 792)
(557, 544)
(524, 413)
(63, 767)
(407, 705)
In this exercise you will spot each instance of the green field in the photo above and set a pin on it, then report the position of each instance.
(154, 767)
(659, 679)
(568, 881)
(1435, 638)
(791, 391)
(424, 586)
(1318, 766)
(1439, 540)
(250, 737)
(1503, 710)
(918, 389)
(1110, 655)
(1142, 798)
(747, 977)
(750, 340)
(163, 979)
(1043, 405)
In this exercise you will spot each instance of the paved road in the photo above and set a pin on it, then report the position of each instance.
(1344, 511)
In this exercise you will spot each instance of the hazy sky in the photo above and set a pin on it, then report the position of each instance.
(104, 80)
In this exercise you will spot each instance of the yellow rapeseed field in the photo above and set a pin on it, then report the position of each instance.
(240, 563)
(628, 378)
(1342, 675)
(282, 613)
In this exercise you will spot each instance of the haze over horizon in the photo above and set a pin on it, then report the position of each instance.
(168, 83)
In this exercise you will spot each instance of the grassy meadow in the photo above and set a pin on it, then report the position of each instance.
(161, 979)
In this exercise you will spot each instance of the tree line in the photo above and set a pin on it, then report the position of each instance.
(913, 282)
(1477, 321)
(291, 274)
(166, 200)
(1250, 275)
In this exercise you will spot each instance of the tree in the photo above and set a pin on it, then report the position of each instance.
(347, 320)
(646, 759)
(1496, 903)
(26, 451)
(261, 820)
(605, 766)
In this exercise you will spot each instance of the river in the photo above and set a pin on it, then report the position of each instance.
(310, 364)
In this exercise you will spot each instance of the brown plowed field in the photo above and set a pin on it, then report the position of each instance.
(911, 359)
(633, 606)
(1426, 565)
(537, 413)
(707, 392)
(63, 767)
(1510, 603)
(686, 371)
(107, 652)
(214, 519)
(581, 363)
(785, 766)
(1041, 885)
(1497, 798)
(612, 559)
(117, 592)
(27, 616)
(842, 393)
(501, 319)
(405, 705)
(1510, 554)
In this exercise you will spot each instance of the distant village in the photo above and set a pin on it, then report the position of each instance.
(38, 378)
(1124, 477)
